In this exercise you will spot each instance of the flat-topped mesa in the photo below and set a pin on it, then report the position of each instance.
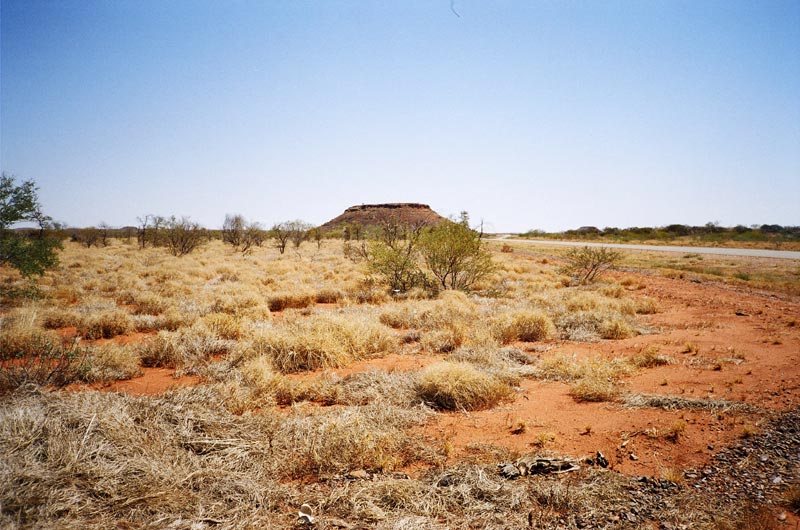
(388, 206)
(366, 215)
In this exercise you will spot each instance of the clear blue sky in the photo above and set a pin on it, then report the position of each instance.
(551, 114)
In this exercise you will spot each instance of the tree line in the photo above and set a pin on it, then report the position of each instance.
(711, 232)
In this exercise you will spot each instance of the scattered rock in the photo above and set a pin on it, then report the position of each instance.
(537, 465)
(305, 515)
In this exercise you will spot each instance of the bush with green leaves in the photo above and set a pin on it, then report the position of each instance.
(588, 263)
(394, 255)
(31, 252)
(455, 255)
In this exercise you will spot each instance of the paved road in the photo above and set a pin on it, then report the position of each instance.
(751, 252)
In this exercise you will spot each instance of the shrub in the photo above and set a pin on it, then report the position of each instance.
(393, 255)
(31, 355)
(33, 252)
(588, 263)
(461, 386)
(455, 255)
(183, 236)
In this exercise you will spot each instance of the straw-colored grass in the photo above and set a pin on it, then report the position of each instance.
(322, 341)
(461, 386)
(523, 325)
(111, 362)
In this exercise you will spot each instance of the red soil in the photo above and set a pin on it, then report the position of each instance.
(701, 314)
(752, 357)
(152, 382)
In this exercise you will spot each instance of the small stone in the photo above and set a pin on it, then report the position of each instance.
(601, 460)
(633, 457)
(305, 515)
(782, 516)
(776, 480)
(509, 471)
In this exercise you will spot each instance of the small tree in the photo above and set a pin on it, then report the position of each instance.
(151, 230)
(588, 263)
(28, 253)
(298, 232)
(242, 235)
(104, 230)
(183, 236)
(280, 232)
(233, 230)
(317, 236)
(454, 254)
(395, 254)
(90, 236)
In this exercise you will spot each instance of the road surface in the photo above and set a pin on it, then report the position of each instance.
(749, 252)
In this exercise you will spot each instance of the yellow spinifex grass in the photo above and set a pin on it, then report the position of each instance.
(461, 386)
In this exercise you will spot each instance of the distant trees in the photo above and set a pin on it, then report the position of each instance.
(179, 235)
(243, 236)
(87, 236)
(295, 231)
(709, 232)
(183, 236)
(33, 252)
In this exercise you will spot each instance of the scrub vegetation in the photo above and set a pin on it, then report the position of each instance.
(290, 402)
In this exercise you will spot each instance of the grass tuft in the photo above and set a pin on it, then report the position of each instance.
(461, 386)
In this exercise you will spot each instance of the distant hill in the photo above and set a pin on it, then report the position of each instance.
(367, 215)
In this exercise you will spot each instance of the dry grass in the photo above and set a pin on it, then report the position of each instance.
(461, 386)
(112, 362)
(322, 341)
(649, 357)
(187, 348)
(683, 403)
(91, 459)
(223, 455)
(104, 324)
(523, 325)
(594, 389)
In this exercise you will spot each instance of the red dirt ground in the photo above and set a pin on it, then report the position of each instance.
(752, 357)
(703, 315)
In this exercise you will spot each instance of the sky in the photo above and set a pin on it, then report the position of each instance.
(527, 114)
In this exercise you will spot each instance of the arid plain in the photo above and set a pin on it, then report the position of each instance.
(225, 390)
